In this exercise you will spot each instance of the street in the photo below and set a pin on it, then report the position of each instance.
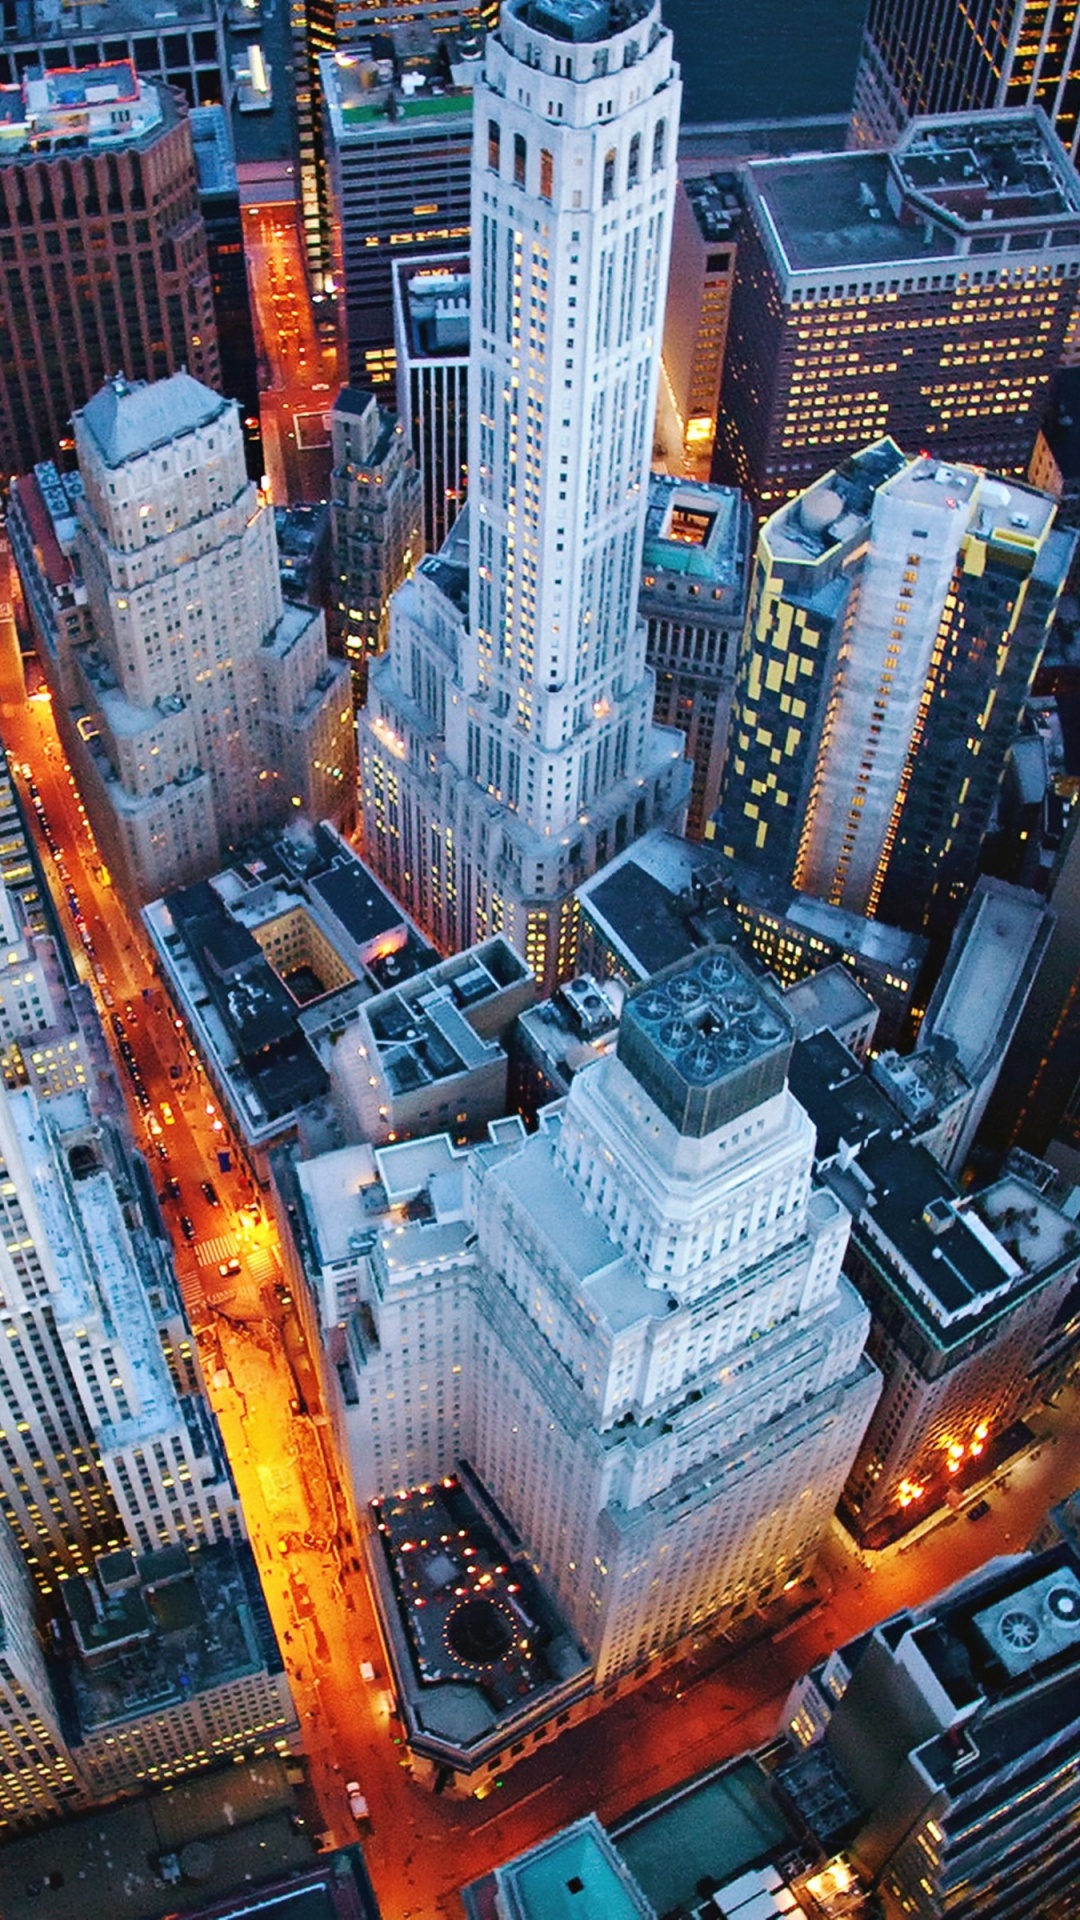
(298, 374)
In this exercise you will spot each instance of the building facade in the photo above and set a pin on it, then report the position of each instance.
(398, 130)
(508, 747)
(942, 56)
(431, 350)
(898, 613)
(694, 590)
(921, 292)
(376, 537)
(107, 257)
(208, 708)
(704, 250)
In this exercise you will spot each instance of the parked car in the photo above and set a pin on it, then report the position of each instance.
(187, 1226)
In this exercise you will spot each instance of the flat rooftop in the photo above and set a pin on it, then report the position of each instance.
(991, 963)
(435, 297)
(948, 179)
(716, 1828)
(576, 1875)
(696, 529)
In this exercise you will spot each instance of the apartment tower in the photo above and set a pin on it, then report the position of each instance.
(897, 616)
(508, 747)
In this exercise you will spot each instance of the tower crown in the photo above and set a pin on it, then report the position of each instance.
(707, 1040)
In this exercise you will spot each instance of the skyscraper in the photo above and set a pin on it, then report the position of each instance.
(928, 292)
(633, 1324)
(898, 613)
(431, 355)
(208, 708)
(508, 747)
(946, 56)
(105, 247)
(375, 532)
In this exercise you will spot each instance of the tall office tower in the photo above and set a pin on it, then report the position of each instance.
(898, 612)
(375, 531)
(104, 1447)
(399, 126)
(704, 250)
(928, 292)
(431, 355)
(108, 264)
(694, 588)
(37, 1779)
(219, 203)
(945, 56)
(954, 1729)
(508, 747)
(321, 27)
(209, 708)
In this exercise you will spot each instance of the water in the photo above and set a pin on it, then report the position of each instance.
(765, 59)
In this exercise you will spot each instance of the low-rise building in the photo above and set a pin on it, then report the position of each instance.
(296, 923)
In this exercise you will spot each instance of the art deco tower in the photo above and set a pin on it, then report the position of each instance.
(508, 748)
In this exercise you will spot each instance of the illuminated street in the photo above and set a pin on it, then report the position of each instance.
(297, 373)
(423, 1848)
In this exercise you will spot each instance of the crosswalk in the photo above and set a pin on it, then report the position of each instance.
(210, 1253)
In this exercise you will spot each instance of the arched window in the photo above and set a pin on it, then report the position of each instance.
(609, 175)
(633, 165)
(658, 144)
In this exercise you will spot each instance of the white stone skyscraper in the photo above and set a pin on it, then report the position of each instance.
(204, 707)
(633, 1325)
(508, 748)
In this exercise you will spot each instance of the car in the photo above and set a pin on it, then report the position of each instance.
(228, 1267)
(358, 1806)
(209, 1193)
(167, 1114)
(161, 1150)
(172, 1188)
(367, 1671)
(979, 1511)
(187, 1226)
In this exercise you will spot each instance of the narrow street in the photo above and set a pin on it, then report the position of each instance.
(298, 374)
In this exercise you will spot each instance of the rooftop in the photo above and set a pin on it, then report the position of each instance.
(126, 419)
(706, 1039)
(698, 530)
(70, 110)
(436, 294)
(576, 1875)
(175, 1624)
(991, 965)
(717, 205)
(948, 180)
(475, 1639)
(403, 74)
(104, 1866)
(581, 20)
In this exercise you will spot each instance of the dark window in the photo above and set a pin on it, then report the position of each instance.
(658, 145)
(609, 175)
(633, 165)
(493, 145)
(519, 160)
(547, 174)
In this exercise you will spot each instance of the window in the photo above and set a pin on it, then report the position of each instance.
(493, 145)
(609, 175)
(658, 145)
(633, 165)
(547, 174)
(519, 160)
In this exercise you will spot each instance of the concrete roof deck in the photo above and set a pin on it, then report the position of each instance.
(831, 212)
